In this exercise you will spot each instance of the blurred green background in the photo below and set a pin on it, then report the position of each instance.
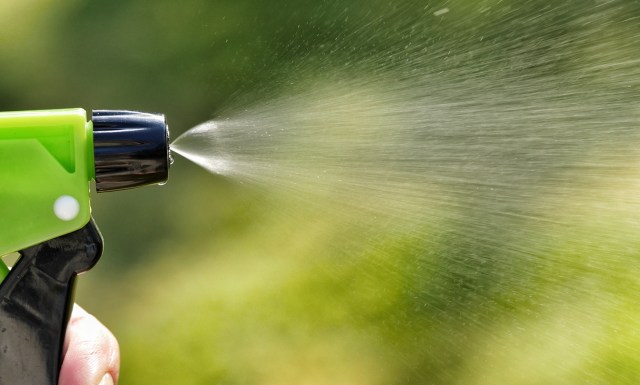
(210, 281)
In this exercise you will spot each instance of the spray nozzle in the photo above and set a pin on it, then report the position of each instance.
(47, 159)
(131, 149)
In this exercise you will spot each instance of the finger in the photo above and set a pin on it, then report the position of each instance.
(91, 352)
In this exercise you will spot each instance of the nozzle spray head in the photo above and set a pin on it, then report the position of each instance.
(131, 149)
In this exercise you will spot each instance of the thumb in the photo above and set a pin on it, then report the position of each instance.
(91, 352)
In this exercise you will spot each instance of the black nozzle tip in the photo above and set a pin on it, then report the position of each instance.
(131, 149)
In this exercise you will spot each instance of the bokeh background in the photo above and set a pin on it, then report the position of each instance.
(208, 280)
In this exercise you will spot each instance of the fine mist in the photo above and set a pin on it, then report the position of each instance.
(477, 165)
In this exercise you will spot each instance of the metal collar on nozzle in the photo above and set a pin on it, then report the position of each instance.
(131, 149)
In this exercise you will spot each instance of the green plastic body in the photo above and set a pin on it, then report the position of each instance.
(44, 155)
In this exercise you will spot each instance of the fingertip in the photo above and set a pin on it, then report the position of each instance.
(92, 354)
(107, 380)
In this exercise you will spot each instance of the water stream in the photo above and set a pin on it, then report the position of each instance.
(495, 128)
(498, 144)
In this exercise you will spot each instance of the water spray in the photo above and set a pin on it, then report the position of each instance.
(48, 160)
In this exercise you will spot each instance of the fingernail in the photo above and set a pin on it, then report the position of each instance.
(106, 380)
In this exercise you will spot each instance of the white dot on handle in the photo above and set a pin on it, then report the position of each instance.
(66, 208)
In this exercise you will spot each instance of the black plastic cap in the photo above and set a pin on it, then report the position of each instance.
(131, 149)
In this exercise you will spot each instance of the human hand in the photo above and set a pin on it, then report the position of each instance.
(91, 352)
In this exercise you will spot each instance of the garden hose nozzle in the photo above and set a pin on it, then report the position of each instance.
(48, 158)
(131, 149)
(47, 161)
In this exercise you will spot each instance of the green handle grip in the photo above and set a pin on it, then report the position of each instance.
(46, 160)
